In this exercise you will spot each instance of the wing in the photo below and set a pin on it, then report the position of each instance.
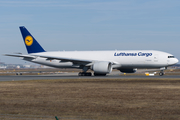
(22, 56)
(75, 61)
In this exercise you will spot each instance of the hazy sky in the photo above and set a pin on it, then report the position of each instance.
(91, 25)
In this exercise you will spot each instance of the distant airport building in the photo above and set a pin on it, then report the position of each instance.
(27, 66)
(3, 65)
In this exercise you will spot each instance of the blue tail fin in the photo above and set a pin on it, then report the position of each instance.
(32, 45)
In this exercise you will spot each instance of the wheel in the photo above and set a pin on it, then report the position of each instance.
(85, 74)
(80, 73)
(97, 74)
(161, 74)
(88, 74)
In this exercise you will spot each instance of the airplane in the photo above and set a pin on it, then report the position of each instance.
(100, 62)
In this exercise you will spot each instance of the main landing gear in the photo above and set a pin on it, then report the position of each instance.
(85, 74)
(90, 74)
(97, 74)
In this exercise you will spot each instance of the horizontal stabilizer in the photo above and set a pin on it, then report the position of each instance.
(24, 56)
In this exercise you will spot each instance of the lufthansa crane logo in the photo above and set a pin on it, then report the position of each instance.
(28, 40)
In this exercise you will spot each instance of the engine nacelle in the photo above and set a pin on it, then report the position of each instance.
(126, 70)
(102, 67)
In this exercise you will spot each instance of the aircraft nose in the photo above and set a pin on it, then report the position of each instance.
(176, 60)
(173, 61)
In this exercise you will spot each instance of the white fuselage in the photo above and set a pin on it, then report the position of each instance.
(120, 59)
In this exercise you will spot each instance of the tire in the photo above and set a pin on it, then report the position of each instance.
(80, 74)
(85, 74)
(161, 74)
(97, 74)
(89, 74)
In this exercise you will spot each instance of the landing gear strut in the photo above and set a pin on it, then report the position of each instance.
(85, 74)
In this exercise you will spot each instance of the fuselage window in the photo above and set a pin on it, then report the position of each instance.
(171, 57)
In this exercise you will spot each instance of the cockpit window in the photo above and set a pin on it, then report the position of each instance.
(171, 57)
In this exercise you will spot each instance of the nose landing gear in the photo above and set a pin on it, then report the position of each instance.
(161, 73)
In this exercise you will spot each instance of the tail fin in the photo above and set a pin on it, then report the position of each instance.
(31, 44)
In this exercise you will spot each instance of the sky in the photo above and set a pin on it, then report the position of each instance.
(90, 25)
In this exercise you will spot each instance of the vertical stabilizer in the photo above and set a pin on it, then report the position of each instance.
(31, 44)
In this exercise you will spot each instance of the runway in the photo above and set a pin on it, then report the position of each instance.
(74, 76)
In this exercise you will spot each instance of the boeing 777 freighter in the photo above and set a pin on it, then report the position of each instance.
(101, 62)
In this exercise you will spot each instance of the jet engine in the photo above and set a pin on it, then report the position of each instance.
(102, 67)
(127, 70)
